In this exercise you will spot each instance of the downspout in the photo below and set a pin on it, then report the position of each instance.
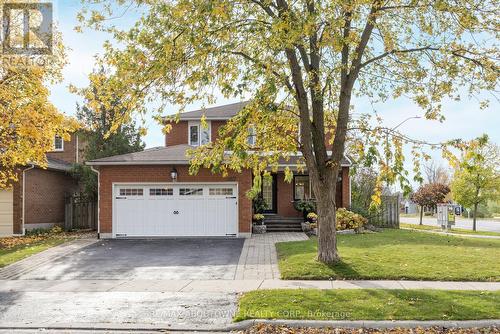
(24, 198)
(98, 201)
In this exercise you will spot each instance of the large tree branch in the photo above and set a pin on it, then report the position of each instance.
(265, 7)
(282, 78)
(385, 54)
(347, 84)
(317, 99)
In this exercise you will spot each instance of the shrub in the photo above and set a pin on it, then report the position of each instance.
(56, 230)
(312, 217)
(259, 204)
(347, 220)
(305, 207)
(258, 218)
(38, 231)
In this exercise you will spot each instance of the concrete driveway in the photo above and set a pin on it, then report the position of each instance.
(157, 259)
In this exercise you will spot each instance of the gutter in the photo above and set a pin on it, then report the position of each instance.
(126, 163)
(24, 198)
(98, 201)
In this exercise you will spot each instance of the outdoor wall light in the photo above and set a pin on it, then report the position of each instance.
(173, 174)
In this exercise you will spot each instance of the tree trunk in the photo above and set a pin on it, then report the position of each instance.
(421, 214)
(474, 218)
(327, 237)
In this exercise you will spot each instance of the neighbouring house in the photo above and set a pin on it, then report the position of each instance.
(409, 207)
(37, 199)
(152, 194)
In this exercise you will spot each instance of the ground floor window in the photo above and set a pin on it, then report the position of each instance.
(302, 188)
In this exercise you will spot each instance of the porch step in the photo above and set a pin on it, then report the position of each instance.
(277, 223)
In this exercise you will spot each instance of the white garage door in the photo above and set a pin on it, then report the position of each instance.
(6, 213)
(191, 210)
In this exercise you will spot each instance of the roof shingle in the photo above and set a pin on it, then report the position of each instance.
(214, 113)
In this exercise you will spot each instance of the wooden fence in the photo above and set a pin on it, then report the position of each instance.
(80, 213)
(388, 216)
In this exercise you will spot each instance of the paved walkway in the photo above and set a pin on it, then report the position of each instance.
(258, 260)
(228, 286)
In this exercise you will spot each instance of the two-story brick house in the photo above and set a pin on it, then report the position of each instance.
(36, 200)
(151, 193)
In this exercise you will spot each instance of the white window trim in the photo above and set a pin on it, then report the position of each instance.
(62, 145)
(199, 125)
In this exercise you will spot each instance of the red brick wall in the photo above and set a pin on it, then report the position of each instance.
(285, 194)
(215, 128)
(346, 188)
(69, 153)
(285, 197)
(45, 191)
(178, 134)
(144, 174)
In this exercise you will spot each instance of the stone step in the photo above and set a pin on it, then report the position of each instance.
(291, 222)
(284, 229)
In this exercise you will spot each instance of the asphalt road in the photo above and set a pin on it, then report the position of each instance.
(482, 224)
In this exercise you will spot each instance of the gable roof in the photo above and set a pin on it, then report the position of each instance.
(224, 112)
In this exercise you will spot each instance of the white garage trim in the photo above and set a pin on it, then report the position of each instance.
(231, 215)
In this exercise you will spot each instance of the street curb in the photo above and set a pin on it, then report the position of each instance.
(384, 324)
(243, 325)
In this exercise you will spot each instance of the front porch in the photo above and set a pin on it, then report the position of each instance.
(280, 195)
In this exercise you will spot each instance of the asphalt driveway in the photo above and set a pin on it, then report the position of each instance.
(156, 259)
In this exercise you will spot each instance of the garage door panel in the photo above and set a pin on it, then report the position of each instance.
(6, 213)
(177, 210)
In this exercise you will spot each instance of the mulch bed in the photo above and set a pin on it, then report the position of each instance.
(268, 329)
(11, 242)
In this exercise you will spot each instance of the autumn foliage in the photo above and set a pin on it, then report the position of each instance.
(429, 195)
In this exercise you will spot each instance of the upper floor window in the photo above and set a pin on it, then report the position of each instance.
(194, 135)
(199, 134)
(251, 139)
(58, 143)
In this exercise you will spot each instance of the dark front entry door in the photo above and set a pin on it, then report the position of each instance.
(269, 193)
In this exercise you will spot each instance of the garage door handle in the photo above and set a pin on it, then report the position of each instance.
(176, 212)
(121, 198)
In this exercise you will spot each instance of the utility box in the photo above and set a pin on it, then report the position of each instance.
(446, 215)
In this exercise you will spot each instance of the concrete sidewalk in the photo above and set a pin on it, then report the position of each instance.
(227, 286)
(478, 236)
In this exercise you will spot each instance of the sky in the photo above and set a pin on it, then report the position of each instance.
(464, 119)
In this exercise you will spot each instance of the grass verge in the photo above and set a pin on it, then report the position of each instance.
(369, 304)
(452, 231)
(395, 254)
(13, 249)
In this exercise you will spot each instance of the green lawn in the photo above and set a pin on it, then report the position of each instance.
(16, 253)
(453, 230)
(369, 304)
(395, 254)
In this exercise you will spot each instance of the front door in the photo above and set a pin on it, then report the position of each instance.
(269, 193)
